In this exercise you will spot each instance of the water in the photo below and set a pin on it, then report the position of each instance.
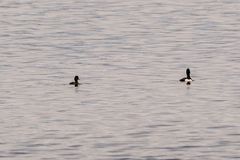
(129, 56)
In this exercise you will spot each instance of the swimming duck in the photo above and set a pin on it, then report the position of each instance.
(76, 83)
(187, 79)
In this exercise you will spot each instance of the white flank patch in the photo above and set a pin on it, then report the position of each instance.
(188, 80)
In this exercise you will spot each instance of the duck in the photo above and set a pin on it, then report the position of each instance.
(187, 79)
(76, 83)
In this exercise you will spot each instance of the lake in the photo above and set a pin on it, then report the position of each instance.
(129, 56)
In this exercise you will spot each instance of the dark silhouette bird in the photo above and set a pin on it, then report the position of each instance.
(187, 79)
(76, 83)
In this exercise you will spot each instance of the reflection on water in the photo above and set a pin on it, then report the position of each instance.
(129, 56)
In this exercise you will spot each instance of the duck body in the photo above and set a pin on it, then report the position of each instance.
(76, 83)
(187, 79)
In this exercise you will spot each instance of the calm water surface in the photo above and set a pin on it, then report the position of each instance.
(129, 56)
